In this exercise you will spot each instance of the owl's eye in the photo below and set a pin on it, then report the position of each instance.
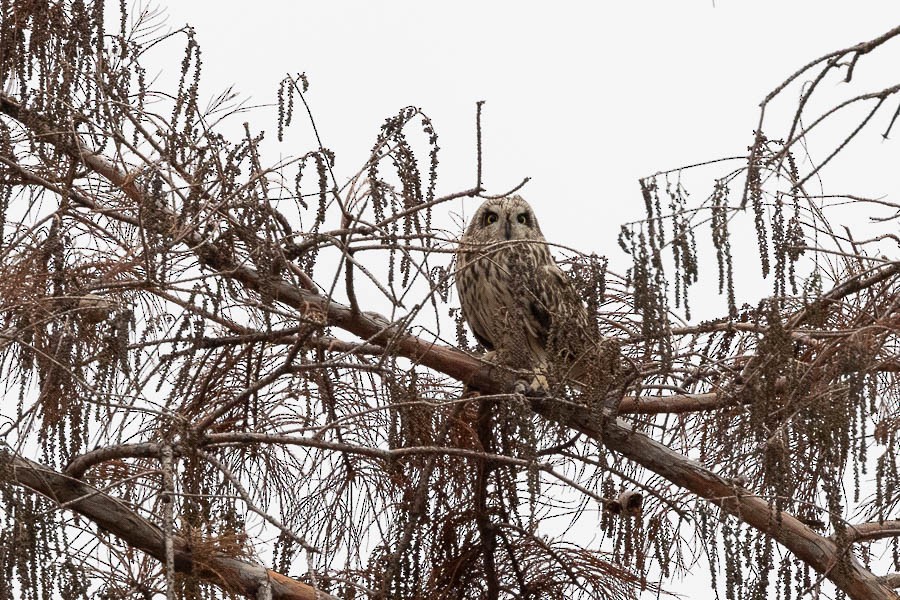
(522, 218)
(490, 218)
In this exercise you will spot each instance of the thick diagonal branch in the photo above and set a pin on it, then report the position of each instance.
(229, 573)
(819, 552)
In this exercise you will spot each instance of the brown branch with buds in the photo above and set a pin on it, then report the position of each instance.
(819, 552)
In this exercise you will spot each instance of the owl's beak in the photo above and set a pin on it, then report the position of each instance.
(508, 229)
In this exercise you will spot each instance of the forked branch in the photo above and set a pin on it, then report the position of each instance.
(821, 553)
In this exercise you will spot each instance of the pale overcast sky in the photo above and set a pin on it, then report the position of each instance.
(584, 98)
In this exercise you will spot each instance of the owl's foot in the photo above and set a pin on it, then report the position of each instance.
(470, 392)
(537, 387)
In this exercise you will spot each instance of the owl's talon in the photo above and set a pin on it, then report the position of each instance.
(536, 388)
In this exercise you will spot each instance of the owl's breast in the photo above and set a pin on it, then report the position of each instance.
(494, 295)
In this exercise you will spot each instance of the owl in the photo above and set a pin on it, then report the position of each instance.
(521, 307)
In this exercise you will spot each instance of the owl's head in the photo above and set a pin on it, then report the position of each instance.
(504, 219)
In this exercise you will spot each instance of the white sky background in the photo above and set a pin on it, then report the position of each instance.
(584, 99)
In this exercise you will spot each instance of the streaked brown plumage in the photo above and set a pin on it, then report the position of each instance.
(516, 300)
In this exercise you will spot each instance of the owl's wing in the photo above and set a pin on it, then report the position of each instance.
(553, 300)
(479, 336)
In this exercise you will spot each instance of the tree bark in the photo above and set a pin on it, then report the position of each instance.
(822, 554)
(229, 573)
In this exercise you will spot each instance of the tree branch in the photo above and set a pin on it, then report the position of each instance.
(229, 573)
(679, 403)
(866, 532)
(819, 552)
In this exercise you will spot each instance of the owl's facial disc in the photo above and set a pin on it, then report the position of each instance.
(507, 219)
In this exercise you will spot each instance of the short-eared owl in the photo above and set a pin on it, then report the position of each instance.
(516, 300)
